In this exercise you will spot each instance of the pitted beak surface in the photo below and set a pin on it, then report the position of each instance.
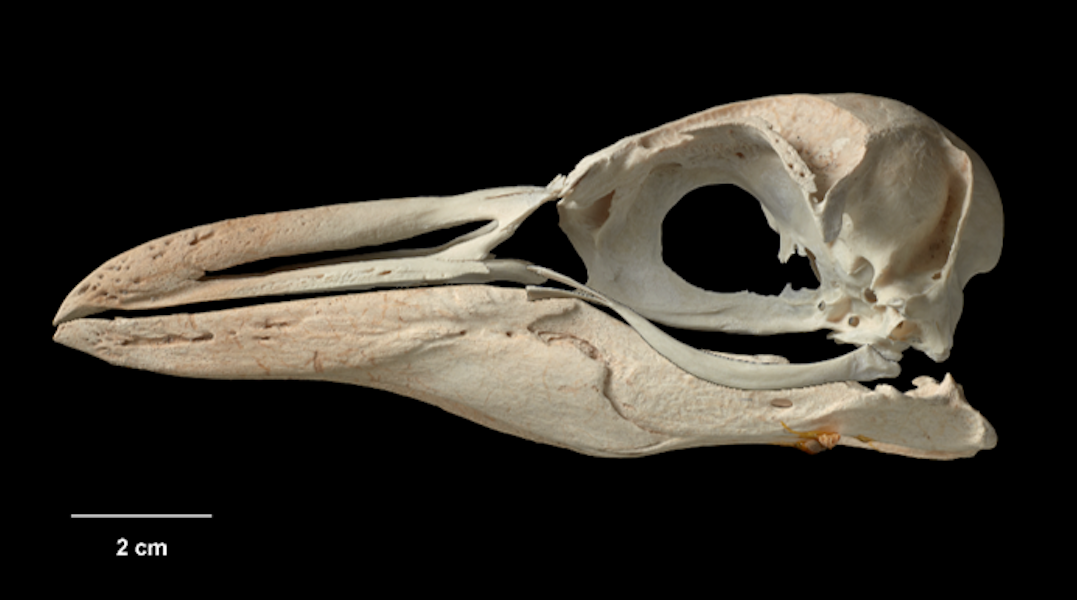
(178, 269)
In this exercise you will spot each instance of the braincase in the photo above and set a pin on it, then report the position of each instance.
(881, 197)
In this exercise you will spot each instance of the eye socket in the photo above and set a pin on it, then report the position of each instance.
(717, 238)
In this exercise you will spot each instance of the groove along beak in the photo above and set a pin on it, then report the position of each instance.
(179, 268)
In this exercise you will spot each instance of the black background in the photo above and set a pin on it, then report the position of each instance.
(156, 129)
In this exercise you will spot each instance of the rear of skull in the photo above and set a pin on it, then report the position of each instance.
(878, 196)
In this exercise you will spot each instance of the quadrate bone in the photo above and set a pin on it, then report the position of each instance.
(895, 213)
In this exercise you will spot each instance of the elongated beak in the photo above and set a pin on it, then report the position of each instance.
(179, 268)
(555, 371)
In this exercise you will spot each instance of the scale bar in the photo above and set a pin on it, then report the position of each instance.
(119, 516)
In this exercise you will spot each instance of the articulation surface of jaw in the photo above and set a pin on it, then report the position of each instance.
(883, 201)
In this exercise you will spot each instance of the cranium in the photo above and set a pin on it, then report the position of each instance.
(894, 212)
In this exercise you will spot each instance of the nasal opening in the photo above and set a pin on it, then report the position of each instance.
(420, 245)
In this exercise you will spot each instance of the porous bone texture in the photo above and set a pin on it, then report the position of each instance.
(895, 212)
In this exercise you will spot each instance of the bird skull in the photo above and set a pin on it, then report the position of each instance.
(895, 213)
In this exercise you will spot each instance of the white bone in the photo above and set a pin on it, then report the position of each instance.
(172, 270)
(895, 212)
(864, 364)
(555, 371)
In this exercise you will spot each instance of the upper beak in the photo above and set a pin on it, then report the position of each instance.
(179, 268)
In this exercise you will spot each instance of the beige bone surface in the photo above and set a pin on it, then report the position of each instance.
(895, 213)
(555, 371)
(172, 270)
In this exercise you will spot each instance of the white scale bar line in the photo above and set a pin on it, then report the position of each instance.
(119, 516)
